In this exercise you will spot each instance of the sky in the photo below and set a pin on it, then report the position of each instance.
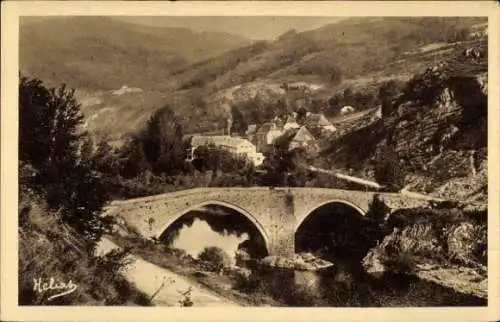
(256, 28)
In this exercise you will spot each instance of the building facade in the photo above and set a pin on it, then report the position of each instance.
(234, 145)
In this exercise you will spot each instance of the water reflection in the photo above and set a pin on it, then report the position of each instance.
(343, 286)
(215, 226)
(193, 239)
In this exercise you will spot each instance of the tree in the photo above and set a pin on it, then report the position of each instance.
(348, 97)
(162, 143)
(424, 89)
(216, 257)
(301, 115)
(50, 139)
(240, 123)
(49, 125)
(104, 160)
(87, 151)
(134, 161)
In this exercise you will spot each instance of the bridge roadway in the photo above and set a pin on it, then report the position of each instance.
(276, 212)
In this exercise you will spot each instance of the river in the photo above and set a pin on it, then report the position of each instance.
(344, 284)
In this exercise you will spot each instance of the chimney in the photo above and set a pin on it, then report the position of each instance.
(229, 124)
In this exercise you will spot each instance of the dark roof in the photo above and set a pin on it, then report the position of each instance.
(317, 120)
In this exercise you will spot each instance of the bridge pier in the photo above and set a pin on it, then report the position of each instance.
(281, 229)
(282, 245)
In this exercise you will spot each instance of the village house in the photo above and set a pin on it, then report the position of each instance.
(291, 123)
(251, 131)
(346, 109)
(266, 134)
(319, 122)
(234, 145)
(303, 139)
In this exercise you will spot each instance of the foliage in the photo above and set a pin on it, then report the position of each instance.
(133, 160)
(42, 240)
(388, 91)
(48, 119)
(216, 257)
(210, 157)
(424, 89)
(358, 100)
(255, 111)
(378, 211)
(162, 142)
(50, 141)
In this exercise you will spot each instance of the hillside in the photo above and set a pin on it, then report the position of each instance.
(202, 75)
(441, 145)
(101, 53)
(353, 47)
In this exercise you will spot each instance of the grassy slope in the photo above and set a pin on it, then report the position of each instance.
(357, 46)
(42, 240)
(99, 53)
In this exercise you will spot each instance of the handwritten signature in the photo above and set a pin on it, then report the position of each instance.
(41, 286)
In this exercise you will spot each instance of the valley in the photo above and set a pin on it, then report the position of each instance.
(341, 166)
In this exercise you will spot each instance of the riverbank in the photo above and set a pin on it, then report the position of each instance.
(445, 246)
(337, 285)
(164, 287)
(193, 271)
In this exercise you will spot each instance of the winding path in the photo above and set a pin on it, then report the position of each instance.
(166, 287)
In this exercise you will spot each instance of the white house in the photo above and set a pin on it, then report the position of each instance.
(347, 109)
(291, 123)
(235, 145)
(266, 135)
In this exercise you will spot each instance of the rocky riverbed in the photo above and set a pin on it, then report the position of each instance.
(299, 261)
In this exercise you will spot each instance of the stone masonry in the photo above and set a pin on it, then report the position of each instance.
(276, 212)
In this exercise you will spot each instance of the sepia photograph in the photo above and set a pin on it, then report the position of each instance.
(232, 160)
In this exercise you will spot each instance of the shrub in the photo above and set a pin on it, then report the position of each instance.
(217, 258)
(402, 263)
(424, 89)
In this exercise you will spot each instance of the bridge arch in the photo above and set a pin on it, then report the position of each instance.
(309, 211)
(238, 209)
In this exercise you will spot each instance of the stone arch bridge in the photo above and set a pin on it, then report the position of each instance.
(276, 212)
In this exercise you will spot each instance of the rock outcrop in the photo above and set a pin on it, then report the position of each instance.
(434, 244)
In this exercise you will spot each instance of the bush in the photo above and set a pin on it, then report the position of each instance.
(217, 258)
(43, 240)
(424, 89)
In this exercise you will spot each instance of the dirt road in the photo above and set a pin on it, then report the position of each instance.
(164, 286)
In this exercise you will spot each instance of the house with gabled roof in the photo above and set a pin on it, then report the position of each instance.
(319, 120)
(251, 131)
(291, 123)
(266, 134)
(303, 139)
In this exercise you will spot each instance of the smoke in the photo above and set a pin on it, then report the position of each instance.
(193, 239)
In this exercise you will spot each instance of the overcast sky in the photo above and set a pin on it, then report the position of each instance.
(250, 27)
